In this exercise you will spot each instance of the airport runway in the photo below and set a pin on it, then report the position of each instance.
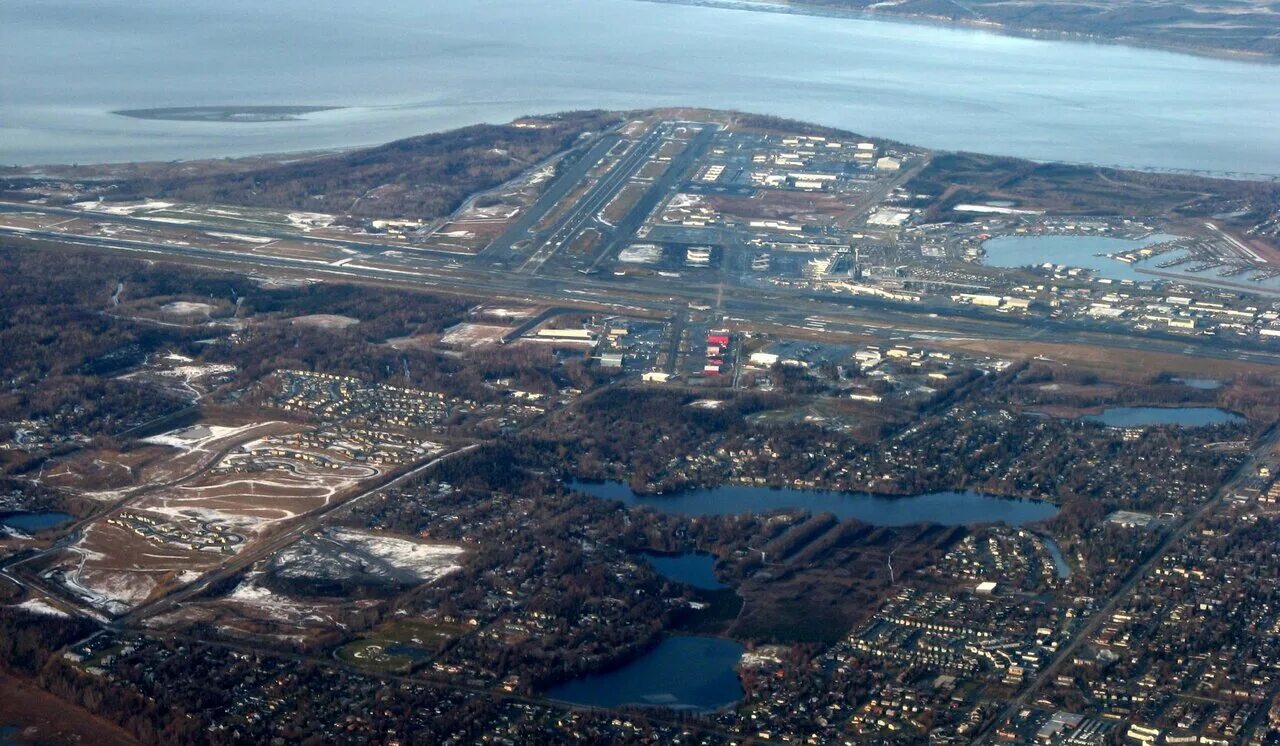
(522, 228)
(669, 296)
(584, 211)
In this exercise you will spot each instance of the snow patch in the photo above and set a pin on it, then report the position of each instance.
(240, 237)
(198, 436)
(429, 561)
(38, 606)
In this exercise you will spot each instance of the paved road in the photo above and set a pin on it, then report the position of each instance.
(1125, 590)
(364, 247)
(626, 229)
(666, 296)
(584, 211)
(522, 228)
(256, 552)
(72, 531)
(524, 326)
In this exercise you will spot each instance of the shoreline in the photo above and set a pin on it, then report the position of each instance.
(225, 114)
(802, 8)
(110, 168)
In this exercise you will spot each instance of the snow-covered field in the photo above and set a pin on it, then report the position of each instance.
(199, 437)
(122, 209)
(192, 372)
(255, 479)
(276, 606)
(429, 561)
(307, 220)
(505, 313)
(113, 591)
(186, 308)
(473, 335)
(325, 321)
(39, 606)
(179, 373)
(241, 237)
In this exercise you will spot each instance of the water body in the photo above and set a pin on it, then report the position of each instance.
(697, 569)
(1055, 553)
(946, 508)
(682, 672)
(30, 522)
(1092, 252)
(1147, 416)
(404, 67)
(1071, 251)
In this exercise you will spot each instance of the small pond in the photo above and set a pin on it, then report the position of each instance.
(694, 568)
(1148, 416)
(683, 672)
(30, 522)
(1059, 562)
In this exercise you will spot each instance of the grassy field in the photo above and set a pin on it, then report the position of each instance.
(1132, 366)
(398, 645)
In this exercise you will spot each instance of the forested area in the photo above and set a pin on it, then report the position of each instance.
(1090, 190)
(81, 320)
(1221, 26)
(418, 177)
(27, 641)
(63, 345)
(975, 438)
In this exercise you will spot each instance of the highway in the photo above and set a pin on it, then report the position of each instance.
(281, 234)
(72, 531)
(662, 296)
(255, 552)
(502, 271)
(492, 272)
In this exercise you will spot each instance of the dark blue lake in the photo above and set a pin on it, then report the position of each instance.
(946, 508)
(1147, 416)
(682, 672)
(30, 522)
(694, 568)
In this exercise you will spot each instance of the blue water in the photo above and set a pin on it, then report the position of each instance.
(405, 67)
(32, 522)
(1055, 553)
(1069, 251)
(1092, 252)
(946, 508)
(682, 672)
(694, 568)
(1146, 416)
